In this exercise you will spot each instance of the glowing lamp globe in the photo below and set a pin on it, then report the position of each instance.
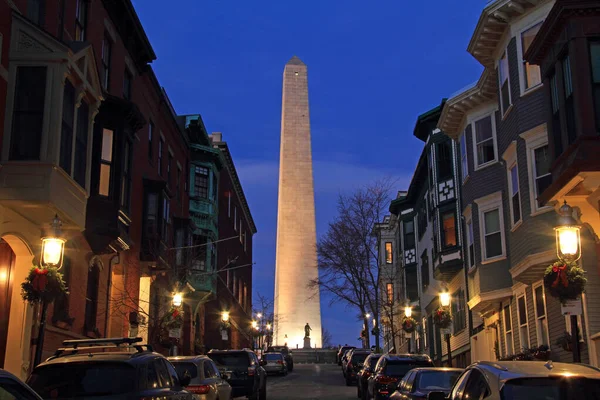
(224, 316)
(444, 299)
(568, 238)
(177, 299)
(53, 249)
(408, 311)
(254, 324)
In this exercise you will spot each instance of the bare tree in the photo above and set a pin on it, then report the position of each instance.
(348, 252)
(391, 308)
(326, 338)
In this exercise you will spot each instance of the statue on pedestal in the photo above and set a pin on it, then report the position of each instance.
(307, 330)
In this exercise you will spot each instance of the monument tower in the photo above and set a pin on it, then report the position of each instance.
(296, 264)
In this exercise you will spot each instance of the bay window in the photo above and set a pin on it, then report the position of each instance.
(106, 156)
(444, 160)
(492, 227)
(28, 113)
(409, 234)
(201, 182)
(448, 229)
(538, 164)
(66, 132)
(492, 233)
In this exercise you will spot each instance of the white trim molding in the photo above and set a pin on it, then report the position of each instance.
(485, 204)
(473, 119)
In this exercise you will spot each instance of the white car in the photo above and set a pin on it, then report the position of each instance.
(206, 382)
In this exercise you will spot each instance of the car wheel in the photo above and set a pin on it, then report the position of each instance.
(262, 394)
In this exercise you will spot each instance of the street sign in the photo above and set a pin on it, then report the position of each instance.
(572, 307)
(224, 335)
(175, 333)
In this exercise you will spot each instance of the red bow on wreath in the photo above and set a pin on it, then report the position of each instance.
(561, 275)
(40, 280)
(175, 313)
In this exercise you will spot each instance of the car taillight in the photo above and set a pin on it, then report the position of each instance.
(250, 371)
(198, 389)
(385, 380)
(279, 362)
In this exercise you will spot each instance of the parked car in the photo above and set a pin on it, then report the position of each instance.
(419, 382)
(245, 374)
(12, 387)
(525, 380)
(205, 378)
(355, 364)
(341, 353)
(78, 371)
(347, 356)
(390, 369)
(287, 354)
(274, 363)
(364, 374)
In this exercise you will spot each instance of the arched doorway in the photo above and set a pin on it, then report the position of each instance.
(15, 332)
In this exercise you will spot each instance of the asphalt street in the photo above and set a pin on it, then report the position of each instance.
(310, 381)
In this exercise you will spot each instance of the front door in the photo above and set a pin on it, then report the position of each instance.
(7, 261)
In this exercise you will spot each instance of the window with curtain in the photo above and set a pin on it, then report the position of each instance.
(28, 113)
(484, 140)
(492, 233)
(531, 73)
(81, 144)
(67, 126)
(389, 255)
(504, 82)
(449, 229)
(104, 188)
(514, 194)
(81, 20)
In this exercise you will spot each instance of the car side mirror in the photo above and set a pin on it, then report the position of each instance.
(437, 396)
(185, 380)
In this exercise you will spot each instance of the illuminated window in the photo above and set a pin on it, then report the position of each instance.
(106, 162)
(449, 229)
(390, 293)
(531, 73)
(389, 257)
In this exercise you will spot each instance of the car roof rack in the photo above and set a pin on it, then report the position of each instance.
(76, 345)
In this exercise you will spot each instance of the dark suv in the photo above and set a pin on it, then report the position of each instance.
(79, 371)
(246, 376)
(287, 354)
(390, 369)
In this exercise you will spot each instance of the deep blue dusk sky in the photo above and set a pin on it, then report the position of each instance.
(374, 66)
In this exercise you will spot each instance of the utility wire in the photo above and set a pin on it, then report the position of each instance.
(204, 244)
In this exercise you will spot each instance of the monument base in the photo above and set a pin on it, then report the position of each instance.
(306, 343)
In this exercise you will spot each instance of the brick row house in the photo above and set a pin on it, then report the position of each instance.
(502, 124)
(88, 134)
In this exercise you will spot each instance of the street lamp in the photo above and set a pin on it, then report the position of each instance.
(568, 239)
(255, 324)
(445, 302)
(53, 250)
(367, 315)
(408, 311)
(268, 327)
(225, 316)
(568, 249)
(259, 315)
(177, 299)
(53, 246)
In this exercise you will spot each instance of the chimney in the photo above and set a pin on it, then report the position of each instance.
(216, 137)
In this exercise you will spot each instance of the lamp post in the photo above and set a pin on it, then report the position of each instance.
(367, 338)
(177, 302)
(568, 249)
(224, 325)
(53, 249)
(407, 314)
(445, 302)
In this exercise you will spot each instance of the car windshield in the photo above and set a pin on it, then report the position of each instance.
(184, 368)
(272, 357)
(437, 380)
(560, 388)
(399, 369)
(83, 380)
(234, 360)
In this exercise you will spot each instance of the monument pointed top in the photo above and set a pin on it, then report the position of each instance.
(295, 61)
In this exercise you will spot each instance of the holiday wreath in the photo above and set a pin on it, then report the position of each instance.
(442, 318)
(224, 325)
(43, 284)
(173, 319)
(409, 324)
(565, 280)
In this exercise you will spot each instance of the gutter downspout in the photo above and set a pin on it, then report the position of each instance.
(114, 259)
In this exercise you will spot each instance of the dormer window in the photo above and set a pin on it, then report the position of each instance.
(531, 73)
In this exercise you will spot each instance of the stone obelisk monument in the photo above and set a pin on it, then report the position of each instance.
(296, 264)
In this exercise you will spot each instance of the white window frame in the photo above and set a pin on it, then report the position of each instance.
(504, 112)
(512, 331)
(523, 296)
(521, 61)
(468, 215)
(490, 114)
(540, 325)
(534, 139)
(464, 158)
(485, 204)
(510, 157)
